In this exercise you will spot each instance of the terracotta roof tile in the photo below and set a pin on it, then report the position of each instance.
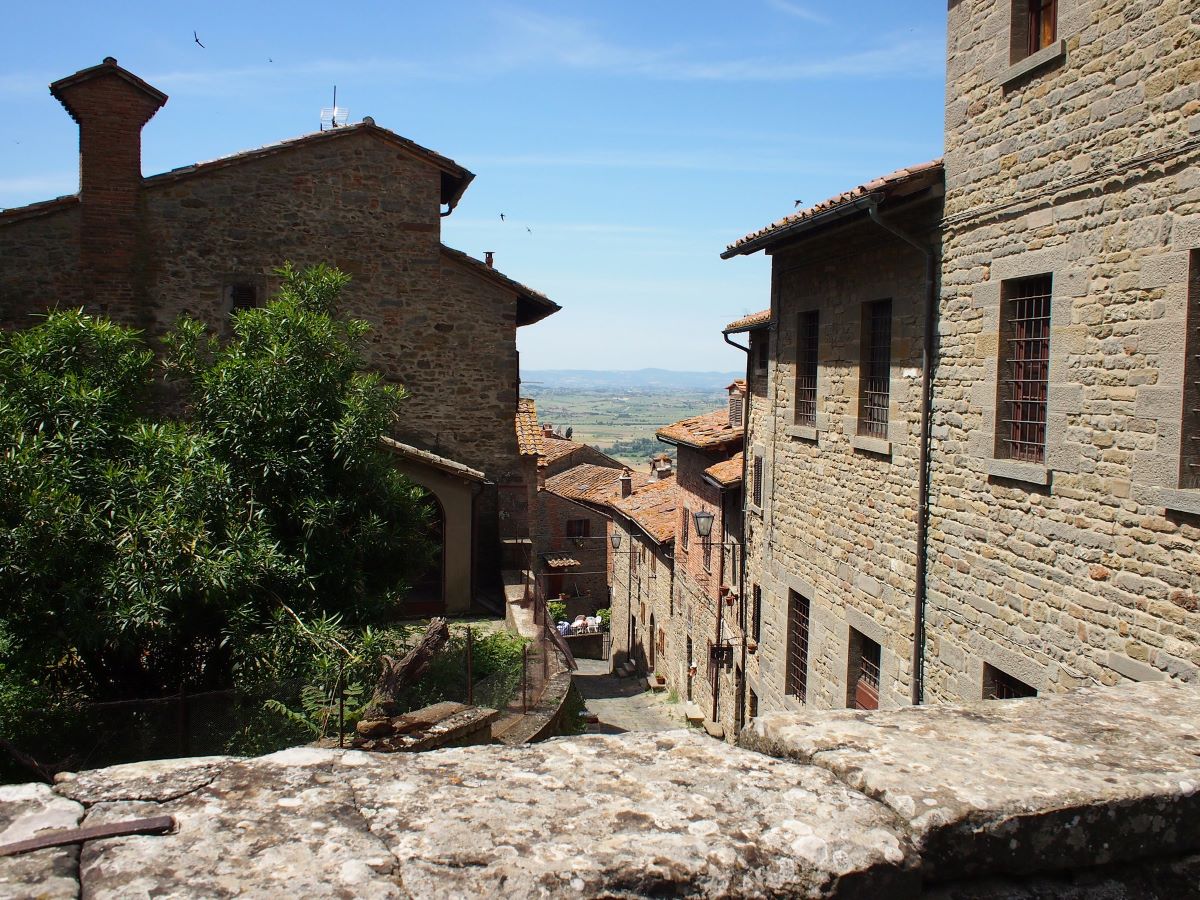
(591, 483)
(749, 323)
(652, 507)
(529, 433)
(555, 448)
(898, 183)
(560, 560)
(709, 430)
(727, 473)
(426, 457)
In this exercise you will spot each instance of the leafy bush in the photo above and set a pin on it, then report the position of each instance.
(557, 610)
(605, 616)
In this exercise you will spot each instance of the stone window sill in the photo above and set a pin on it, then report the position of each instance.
(1013, 470)
(1018, 70)
(871, 445)
(802, 432)
(1184, 501)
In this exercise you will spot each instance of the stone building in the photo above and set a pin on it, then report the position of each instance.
(644, 608)
(998, 498)
(1064, 503)
(706, 610)
(204, 240)
(833, 447)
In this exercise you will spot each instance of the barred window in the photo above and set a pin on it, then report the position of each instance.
(757, 481)
(241, 295)
(874, 392)
(579, 528)
(797, 647)
(706, 549)
(862, 677)
(806, 368)
(687, 526)
(1189, 451)
(999, 685)
(756, 614)
(1024, 368)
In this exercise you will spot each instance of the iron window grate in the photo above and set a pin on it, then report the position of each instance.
(756, 631)
(999, 685)
(758, 481)
(1189, 469)
(797, 651)
(1026, 382)
(806, 369)
(864, 672)
(875, 386)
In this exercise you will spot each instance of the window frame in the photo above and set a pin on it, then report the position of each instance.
(1023, 369)
(808, 347)
(875, 370)
(572, 526)
(798, 646)
(864, 668)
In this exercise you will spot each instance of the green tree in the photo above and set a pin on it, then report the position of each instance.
(140, 549)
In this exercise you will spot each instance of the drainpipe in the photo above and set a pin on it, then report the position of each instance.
(931, 310)
(742, 530)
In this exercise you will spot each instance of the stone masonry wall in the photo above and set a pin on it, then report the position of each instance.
(39, 265)
(1085, 168)
(585, 585)
(838, 523)
(642, 581)
(698, 590)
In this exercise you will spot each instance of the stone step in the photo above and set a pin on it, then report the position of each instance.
(626, 669)
(693, 713)
(714, 730)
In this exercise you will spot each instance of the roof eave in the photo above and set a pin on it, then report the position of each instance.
(741, 329)
(833, 214)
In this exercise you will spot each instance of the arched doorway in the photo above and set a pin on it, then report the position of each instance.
(428, 594)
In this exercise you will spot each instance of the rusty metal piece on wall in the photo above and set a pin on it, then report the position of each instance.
(64, 836)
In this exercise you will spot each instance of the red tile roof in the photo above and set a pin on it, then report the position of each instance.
(425, 457)
(652, 507)
(555, 448)
(749, 323)
(727, 473)
(591, 483)
(529, 433)
(560, 560)
(108, 67)
(533, 306)
(900, 183)
(709, 430)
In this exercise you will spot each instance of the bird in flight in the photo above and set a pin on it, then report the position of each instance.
(196, 38)
(530, 230)
(501, 217)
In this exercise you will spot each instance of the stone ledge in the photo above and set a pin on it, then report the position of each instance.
(1183, 501)
(802, 432)
(1097, 776)
(1045, 56)
(871, 445)
(1012, 470)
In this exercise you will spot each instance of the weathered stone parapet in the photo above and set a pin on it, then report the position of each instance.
(1068, 781)
(1045, 797)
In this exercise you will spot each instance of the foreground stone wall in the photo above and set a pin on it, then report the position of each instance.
(1095, 794)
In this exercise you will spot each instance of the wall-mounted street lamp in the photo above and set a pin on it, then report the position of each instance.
(704, 522)
(615, 540)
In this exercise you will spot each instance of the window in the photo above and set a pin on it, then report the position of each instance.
(753, 704)
(756, 614)
(653, 565)
(875, 372)
(633, 557)
(797, 647)
(757, 491)
(1034, 27)
(1189, 451)
(736, 401)
(1024, 369)
(862, 676)
(762, 350)
(706, 546)
(241, 295)
(687, 526)
(806, 369)
(579, 528)
(999, 685)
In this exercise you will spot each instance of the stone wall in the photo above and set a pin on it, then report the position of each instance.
(585, 585)
(642, 581)
(698, 591)
(1083, 167)
(1096, 794)
(837, 524)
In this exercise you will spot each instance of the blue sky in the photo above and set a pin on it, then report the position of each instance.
(626, 142)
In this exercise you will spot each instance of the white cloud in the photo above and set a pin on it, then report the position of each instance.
(799, 12)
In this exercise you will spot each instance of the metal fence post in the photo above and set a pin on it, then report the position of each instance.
(470, 665)
(525, 678)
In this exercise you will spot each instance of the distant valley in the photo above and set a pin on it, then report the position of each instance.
(619, 411)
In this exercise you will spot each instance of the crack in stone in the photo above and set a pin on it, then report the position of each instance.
(140, 798)
(394, 873)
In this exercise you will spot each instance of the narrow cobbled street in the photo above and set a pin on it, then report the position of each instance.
(624, 704)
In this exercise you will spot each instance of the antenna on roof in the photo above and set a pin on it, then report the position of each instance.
(334, 116)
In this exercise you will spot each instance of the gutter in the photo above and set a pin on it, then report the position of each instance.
(741, 531)
(841, 211)
(921, 593)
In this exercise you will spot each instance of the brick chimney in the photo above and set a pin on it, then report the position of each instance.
(626, 483)
(111, 105)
